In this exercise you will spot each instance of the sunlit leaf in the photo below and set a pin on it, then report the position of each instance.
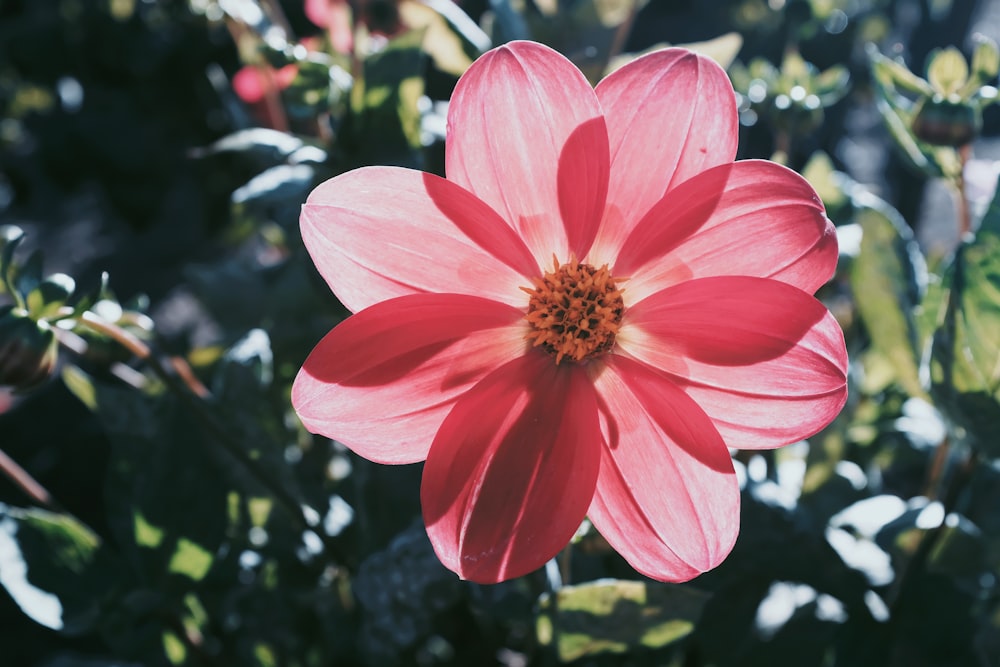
(888, 279)
(273, 193)
(832, 84)
(827, 182)
(985, 64)
(451, 38)
(54, 567)
(81, 385)
(165, 482)
(247, 365)
(722, 49)
(891, 75)
(50, 295)
(965, 368)
(947, 71)
(190, 560)
(385, 103)
(615, 616)
(259, 145)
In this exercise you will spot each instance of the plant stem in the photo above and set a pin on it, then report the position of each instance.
(962, 202)
(622, 32)
(28, 484)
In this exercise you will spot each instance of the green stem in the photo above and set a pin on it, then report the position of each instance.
(620, 38)
(964, 217)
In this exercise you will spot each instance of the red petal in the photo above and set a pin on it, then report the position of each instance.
(667, 497)
(380, 232)
(765, 360)
(512, 470)
(670, 114)
(383, 380)
(526, 135)
(753, 218)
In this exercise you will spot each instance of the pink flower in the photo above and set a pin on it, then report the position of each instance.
(252, 82)
(335, 17)
(580, 319)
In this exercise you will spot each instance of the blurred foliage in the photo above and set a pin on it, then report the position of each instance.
(193, 521)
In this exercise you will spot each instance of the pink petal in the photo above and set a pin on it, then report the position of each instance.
(381, 232)
(671, 114)
(383, 380)
(753, 218)
(512, 470)
(252, 82)
(667, 497)
(764, 360)
(323, 12)
(526, 135)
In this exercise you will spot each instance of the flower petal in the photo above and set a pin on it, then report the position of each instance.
(526, 135)
(671, 114)
(764, 360)
(512, 470)
(381, 232)
(383, 380)
(667, 497)
(754, 218)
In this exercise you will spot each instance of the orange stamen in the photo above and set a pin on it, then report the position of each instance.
(574, 310)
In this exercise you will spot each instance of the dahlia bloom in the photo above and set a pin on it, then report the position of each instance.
(580, 319)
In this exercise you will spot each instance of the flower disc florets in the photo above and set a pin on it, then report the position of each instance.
(575, 311)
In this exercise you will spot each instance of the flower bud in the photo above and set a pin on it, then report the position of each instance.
(28, 350)
(942, 122)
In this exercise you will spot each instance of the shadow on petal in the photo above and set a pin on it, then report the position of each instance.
(512, 470)
(584, 168)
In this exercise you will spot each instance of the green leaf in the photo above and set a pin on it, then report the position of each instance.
(245, 367)
(166, 490)
(274, 194)
(28, 275)
(722, 49)
(190, 560)
(890, 75)
(898, 121)
(615, 616)
(452, 39)
(828, 183)
(80, 385)
(10, 238)
(888, 279)
(965, 362)
(54, 567)
(832, 84)
(948, 71)
(384, 103)
(50, 295)
(960, 550)
(985, 63)
(259, 146)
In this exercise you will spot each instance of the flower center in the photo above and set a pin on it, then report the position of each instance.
(575, 311)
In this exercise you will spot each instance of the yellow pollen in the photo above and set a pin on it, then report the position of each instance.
(575, 311)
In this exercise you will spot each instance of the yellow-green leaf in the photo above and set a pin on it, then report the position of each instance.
(947, 71)
(613, 616)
